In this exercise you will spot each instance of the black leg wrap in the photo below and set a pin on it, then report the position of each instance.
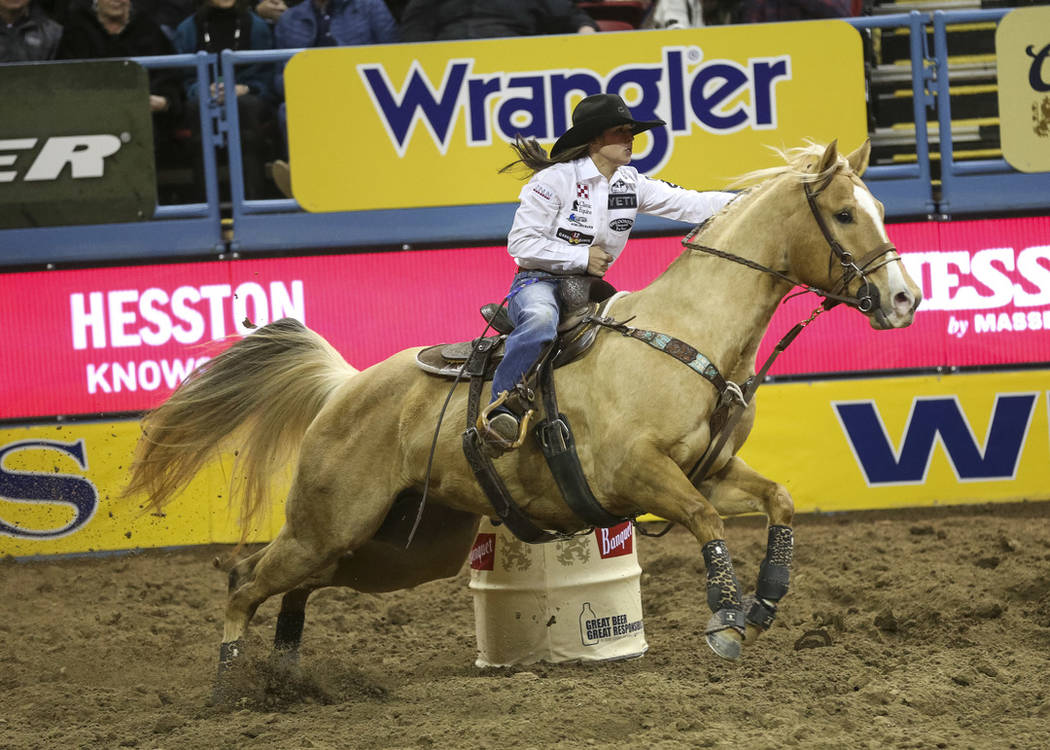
(762, 613)
(228, 653)
(775, 571)
(723, 590)
(726, 618)
(289, 632)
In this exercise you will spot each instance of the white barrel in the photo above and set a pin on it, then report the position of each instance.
(578, 600)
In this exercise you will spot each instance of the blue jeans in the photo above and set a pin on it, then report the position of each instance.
(534, 310)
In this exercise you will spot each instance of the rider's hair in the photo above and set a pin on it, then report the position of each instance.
(534, 158)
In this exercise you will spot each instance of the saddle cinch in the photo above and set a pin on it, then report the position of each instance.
(580, 297)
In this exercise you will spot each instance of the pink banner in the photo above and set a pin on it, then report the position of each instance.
(119, 339)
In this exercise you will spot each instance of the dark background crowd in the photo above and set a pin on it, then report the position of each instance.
(39, 30)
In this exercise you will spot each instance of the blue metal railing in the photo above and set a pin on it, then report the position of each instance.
(907, 190)
(986, 184)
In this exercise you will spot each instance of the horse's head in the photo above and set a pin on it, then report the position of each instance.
(844, 247)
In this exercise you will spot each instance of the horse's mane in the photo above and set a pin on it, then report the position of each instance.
(799, 161)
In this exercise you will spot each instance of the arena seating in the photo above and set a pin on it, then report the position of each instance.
(972, 86)
(906, 167)
(618, 15)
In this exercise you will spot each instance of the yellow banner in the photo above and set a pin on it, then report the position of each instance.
(60, 489)
(836, 445)
(1022, 52)
(405, 126)
(900, 442)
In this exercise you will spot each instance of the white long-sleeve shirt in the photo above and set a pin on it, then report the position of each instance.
(568, 207)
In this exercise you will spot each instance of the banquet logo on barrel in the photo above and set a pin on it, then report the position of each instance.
(616, 540)
(483, 553)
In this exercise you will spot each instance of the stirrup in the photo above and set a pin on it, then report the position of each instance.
(495, 439)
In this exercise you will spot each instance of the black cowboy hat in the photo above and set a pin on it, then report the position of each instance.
(596, 114)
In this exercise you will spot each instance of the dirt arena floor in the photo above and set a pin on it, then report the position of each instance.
(916, 629)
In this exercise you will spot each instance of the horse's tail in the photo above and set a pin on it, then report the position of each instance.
(267, 388)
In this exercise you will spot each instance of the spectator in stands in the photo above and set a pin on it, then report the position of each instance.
(26, 34)
(327, 23)
(765, 11)
(228, 24)
(270, 10)
(396, 8)
(335, 23)
(112, 28)
(442, 20)
(676, 14)
(167, 14)
(58, 10)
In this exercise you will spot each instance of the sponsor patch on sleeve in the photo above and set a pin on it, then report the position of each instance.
(630, 200)
(621, 225)
(543, 191)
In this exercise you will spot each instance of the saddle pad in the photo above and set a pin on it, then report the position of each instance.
(447, 360)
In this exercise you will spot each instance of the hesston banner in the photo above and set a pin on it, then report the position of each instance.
(404, 126)
(120, 339)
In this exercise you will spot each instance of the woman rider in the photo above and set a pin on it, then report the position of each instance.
(576, 213)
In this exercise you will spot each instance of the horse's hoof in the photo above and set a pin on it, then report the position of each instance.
(726, 641)
(222, 691)
(751, 634)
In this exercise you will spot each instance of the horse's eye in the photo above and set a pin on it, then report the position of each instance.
(845, 216)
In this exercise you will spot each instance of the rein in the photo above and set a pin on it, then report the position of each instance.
(865, 301)
(718, 441)
(867, 297)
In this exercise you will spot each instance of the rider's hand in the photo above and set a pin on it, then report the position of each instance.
(270, 10)
(598, 261)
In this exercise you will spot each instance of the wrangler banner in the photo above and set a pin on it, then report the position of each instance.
(405, 126)
(836, 445)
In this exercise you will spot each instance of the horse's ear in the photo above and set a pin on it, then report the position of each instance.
(858, 160)
(827, 165)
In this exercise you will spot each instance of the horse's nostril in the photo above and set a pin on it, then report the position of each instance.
(902, 299)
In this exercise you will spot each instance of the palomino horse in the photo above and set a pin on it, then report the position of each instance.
(641, 419)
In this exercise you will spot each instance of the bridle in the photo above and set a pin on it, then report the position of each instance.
(867, 298)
